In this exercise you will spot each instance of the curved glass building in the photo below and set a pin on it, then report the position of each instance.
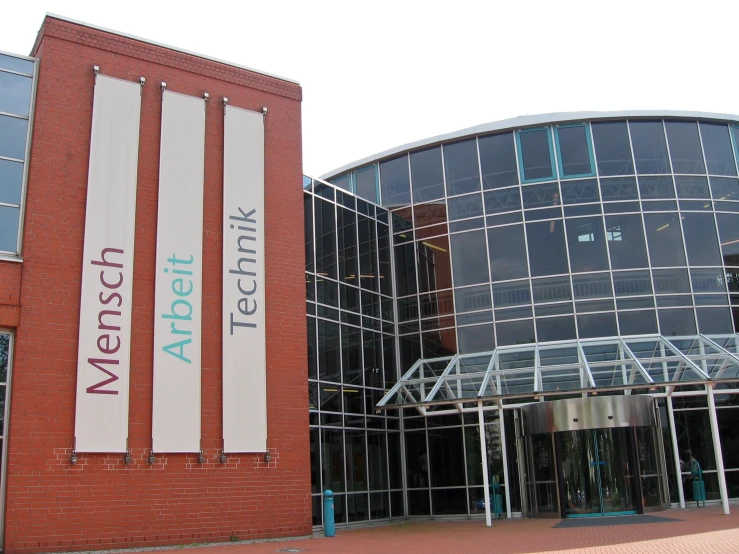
(587, 263)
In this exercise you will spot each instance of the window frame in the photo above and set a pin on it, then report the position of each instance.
(519, 155)
(734, 138)
(355, 191)
(5, 254)
(588, 138)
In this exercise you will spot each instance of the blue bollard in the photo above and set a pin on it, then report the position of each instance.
(329, 528)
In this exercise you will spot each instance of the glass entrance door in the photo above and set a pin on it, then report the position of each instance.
(596, 473)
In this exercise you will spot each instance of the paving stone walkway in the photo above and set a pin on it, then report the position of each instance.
(692, 531)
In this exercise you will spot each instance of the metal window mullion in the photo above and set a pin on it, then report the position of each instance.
(644, 228)
(584, 364)
(639, 365)
(525, 238)
(537, 369)
(680, 221)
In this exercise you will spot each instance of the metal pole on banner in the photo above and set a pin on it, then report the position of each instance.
(484, 452)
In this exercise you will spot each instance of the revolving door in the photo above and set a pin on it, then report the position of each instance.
(589, 457)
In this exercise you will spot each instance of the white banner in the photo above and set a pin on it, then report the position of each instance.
(244, 338)
(103, 363)
(179, 276)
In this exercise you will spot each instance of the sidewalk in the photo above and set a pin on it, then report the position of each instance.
(691, 531)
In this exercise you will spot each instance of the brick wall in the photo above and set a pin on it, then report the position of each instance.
(101, 502)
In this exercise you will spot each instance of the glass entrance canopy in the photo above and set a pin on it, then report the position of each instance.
(649, 364)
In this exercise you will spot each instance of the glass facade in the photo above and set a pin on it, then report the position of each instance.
(562, 232)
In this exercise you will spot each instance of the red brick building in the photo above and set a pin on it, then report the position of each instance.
(105, 500)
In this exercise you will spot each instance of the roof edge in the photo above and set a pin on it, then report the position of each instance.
(528, 121)
(154, 43)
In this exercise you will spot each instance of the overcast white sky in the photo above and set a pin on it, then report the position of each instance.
(383, 73)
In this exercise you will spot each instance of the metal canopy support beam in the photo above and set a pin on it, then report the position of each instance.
(400, 382)
(641, 368)
(721, 349)
(687, 360)
(440, 380)
(488, 373)
(584, 363)
(505, 462)
(717, 451)
(484, 458)
(675, 453)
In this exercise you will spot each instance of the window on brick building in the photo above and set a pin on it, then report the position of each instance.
(16, 91)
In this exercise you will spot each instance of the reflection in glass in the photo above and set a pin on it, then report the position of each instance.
(507, 252)
(463, 207)
(592, 285)
(396, 188)
(724, 188)
(427, 175)
(575, 158)
(540, 196)
(650, 149)
(671, 281)
(656, 187)
(625, 237)
(13, 137)
(580, 192)
(547, 250)
(643, 322)
(612, 148)
(586, 241)
(329, 364)
(664, 239)
(555, 328)
(535, 153)
(692, 187)
(366, 180)
(9, 218)
(685, 147)
(460, 163)
(405, 269)
(618, 188)
(515, 332)
(502, 200)
(700, 239)
(477, 338)
(434, 271)
(16, 94)
(728, 228)
(516, 293)
(368, 275)
(467, 251)
(347, 237)
(498, 161)
(714, 321)
(632, 283)
(718, 150)
(679, 322)
(551, 290)
(16, 64)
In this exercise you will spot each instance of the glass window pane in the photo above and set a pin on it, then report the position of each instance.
(708, 280)
(467, 251)
(366, 180)
(11, 181)
(724, 188)
(594, 285)
(678, 322)
(670, 281)
(507, 251)
(499, 201)
(728, 228)
(396, 188)
(555, 328)
(405, 269)
(580, 192)
(574, 150)
(685, 147)
(367, 253)
(347, 231)
(13, 137)
(612, 148)
(329, 362)
(700, 239)
(551, 290)
(632, 283)
(472, 299)
(15, 94)
(664, 239)
(515, 332)
(656, 187)
(625, 237)
(714, 321)
(597, 325)
(343, 182)
(512, 294)
(539, 196)
(642, 322)
(650, 149)
(434, 271)
(692, 187)
(16, 64)
(464, 207)
(618, 188)
(460, 163)
(9, 228)
(478, 338)
(547, 250)
(535, 154)
(717, 147)
(427, 175)
(325, 238)
(586, 240)
(498, 161)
